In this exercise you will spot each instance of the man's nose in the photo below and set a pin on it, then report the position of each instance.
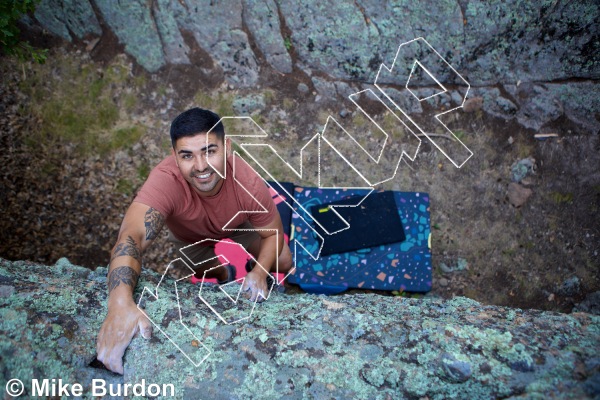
(200, 163)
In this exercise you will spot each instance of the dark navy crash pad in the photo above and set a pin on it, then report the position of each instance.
(372, 222)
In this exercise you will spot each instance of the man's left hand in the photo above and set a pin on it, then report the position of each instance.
(255, 285)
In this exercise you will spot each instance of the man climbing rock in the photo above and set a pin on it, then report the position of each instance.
(201, 191)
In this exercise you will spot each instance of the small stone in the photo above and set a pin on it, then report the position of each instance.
(457, 98)
(446, 269)
(247, 105)
(344, 113)
(518, 194)
(570, 287)
(462, 264)
(511, 140)
(443, 282)
(522, 168)
(591, 304)
(473, 104)
(92, 44)
(302, 88)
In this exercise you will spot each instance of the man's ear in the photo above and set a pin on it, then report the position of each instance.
(175, 156)
(228, 150)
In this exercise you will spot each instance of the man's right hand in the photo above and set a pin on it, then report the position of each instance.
(124, 320)
(122, 323)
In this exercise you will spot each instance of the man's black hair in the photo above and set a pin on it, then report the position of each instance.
(195, 121)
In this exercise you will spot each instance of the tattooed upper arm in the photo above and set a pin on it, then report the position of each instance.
(154, 221)
(130, 248)
(124, 274)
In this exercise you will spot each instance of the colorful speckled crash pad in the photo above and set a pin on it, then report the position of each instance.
(403, 266)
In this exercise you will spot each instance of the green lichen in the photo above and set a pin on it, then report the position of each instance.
(66, 301)
(134, 25)
(23, 361)
(258, 383)
(301, 346)
(81, 20)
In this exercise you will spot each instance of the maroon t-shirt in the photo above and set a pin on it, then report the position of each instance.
(243, 197)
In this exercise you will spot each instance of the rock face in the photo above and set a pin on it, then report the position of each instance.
(292, 346)
(531, 61)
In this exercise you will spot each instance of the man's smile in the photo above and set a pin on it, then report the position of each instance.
(203, 176)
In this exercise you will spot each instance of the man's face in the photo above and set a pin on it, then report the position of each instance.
(199, 158)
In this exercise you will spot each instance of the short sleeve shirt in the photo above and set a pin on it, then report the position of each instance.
(190, 217)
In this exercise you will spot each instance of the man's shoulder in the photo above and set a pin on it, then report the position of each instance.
(165, 172)
(167, 168)
(167, 164)
(164, 188)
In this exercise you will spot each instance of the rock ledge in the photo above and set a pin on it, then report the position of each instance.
(294, 346)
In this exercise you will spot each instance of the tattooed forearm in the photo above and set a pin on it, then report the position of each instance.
(153, 220)
(129, 248)
(120, 275)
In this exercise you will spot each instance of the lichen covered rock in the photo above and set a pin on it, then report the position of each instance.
(549, 46)
(294, 346)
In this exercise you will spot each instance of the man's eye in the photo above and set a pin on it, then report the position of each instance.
(186, 156)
